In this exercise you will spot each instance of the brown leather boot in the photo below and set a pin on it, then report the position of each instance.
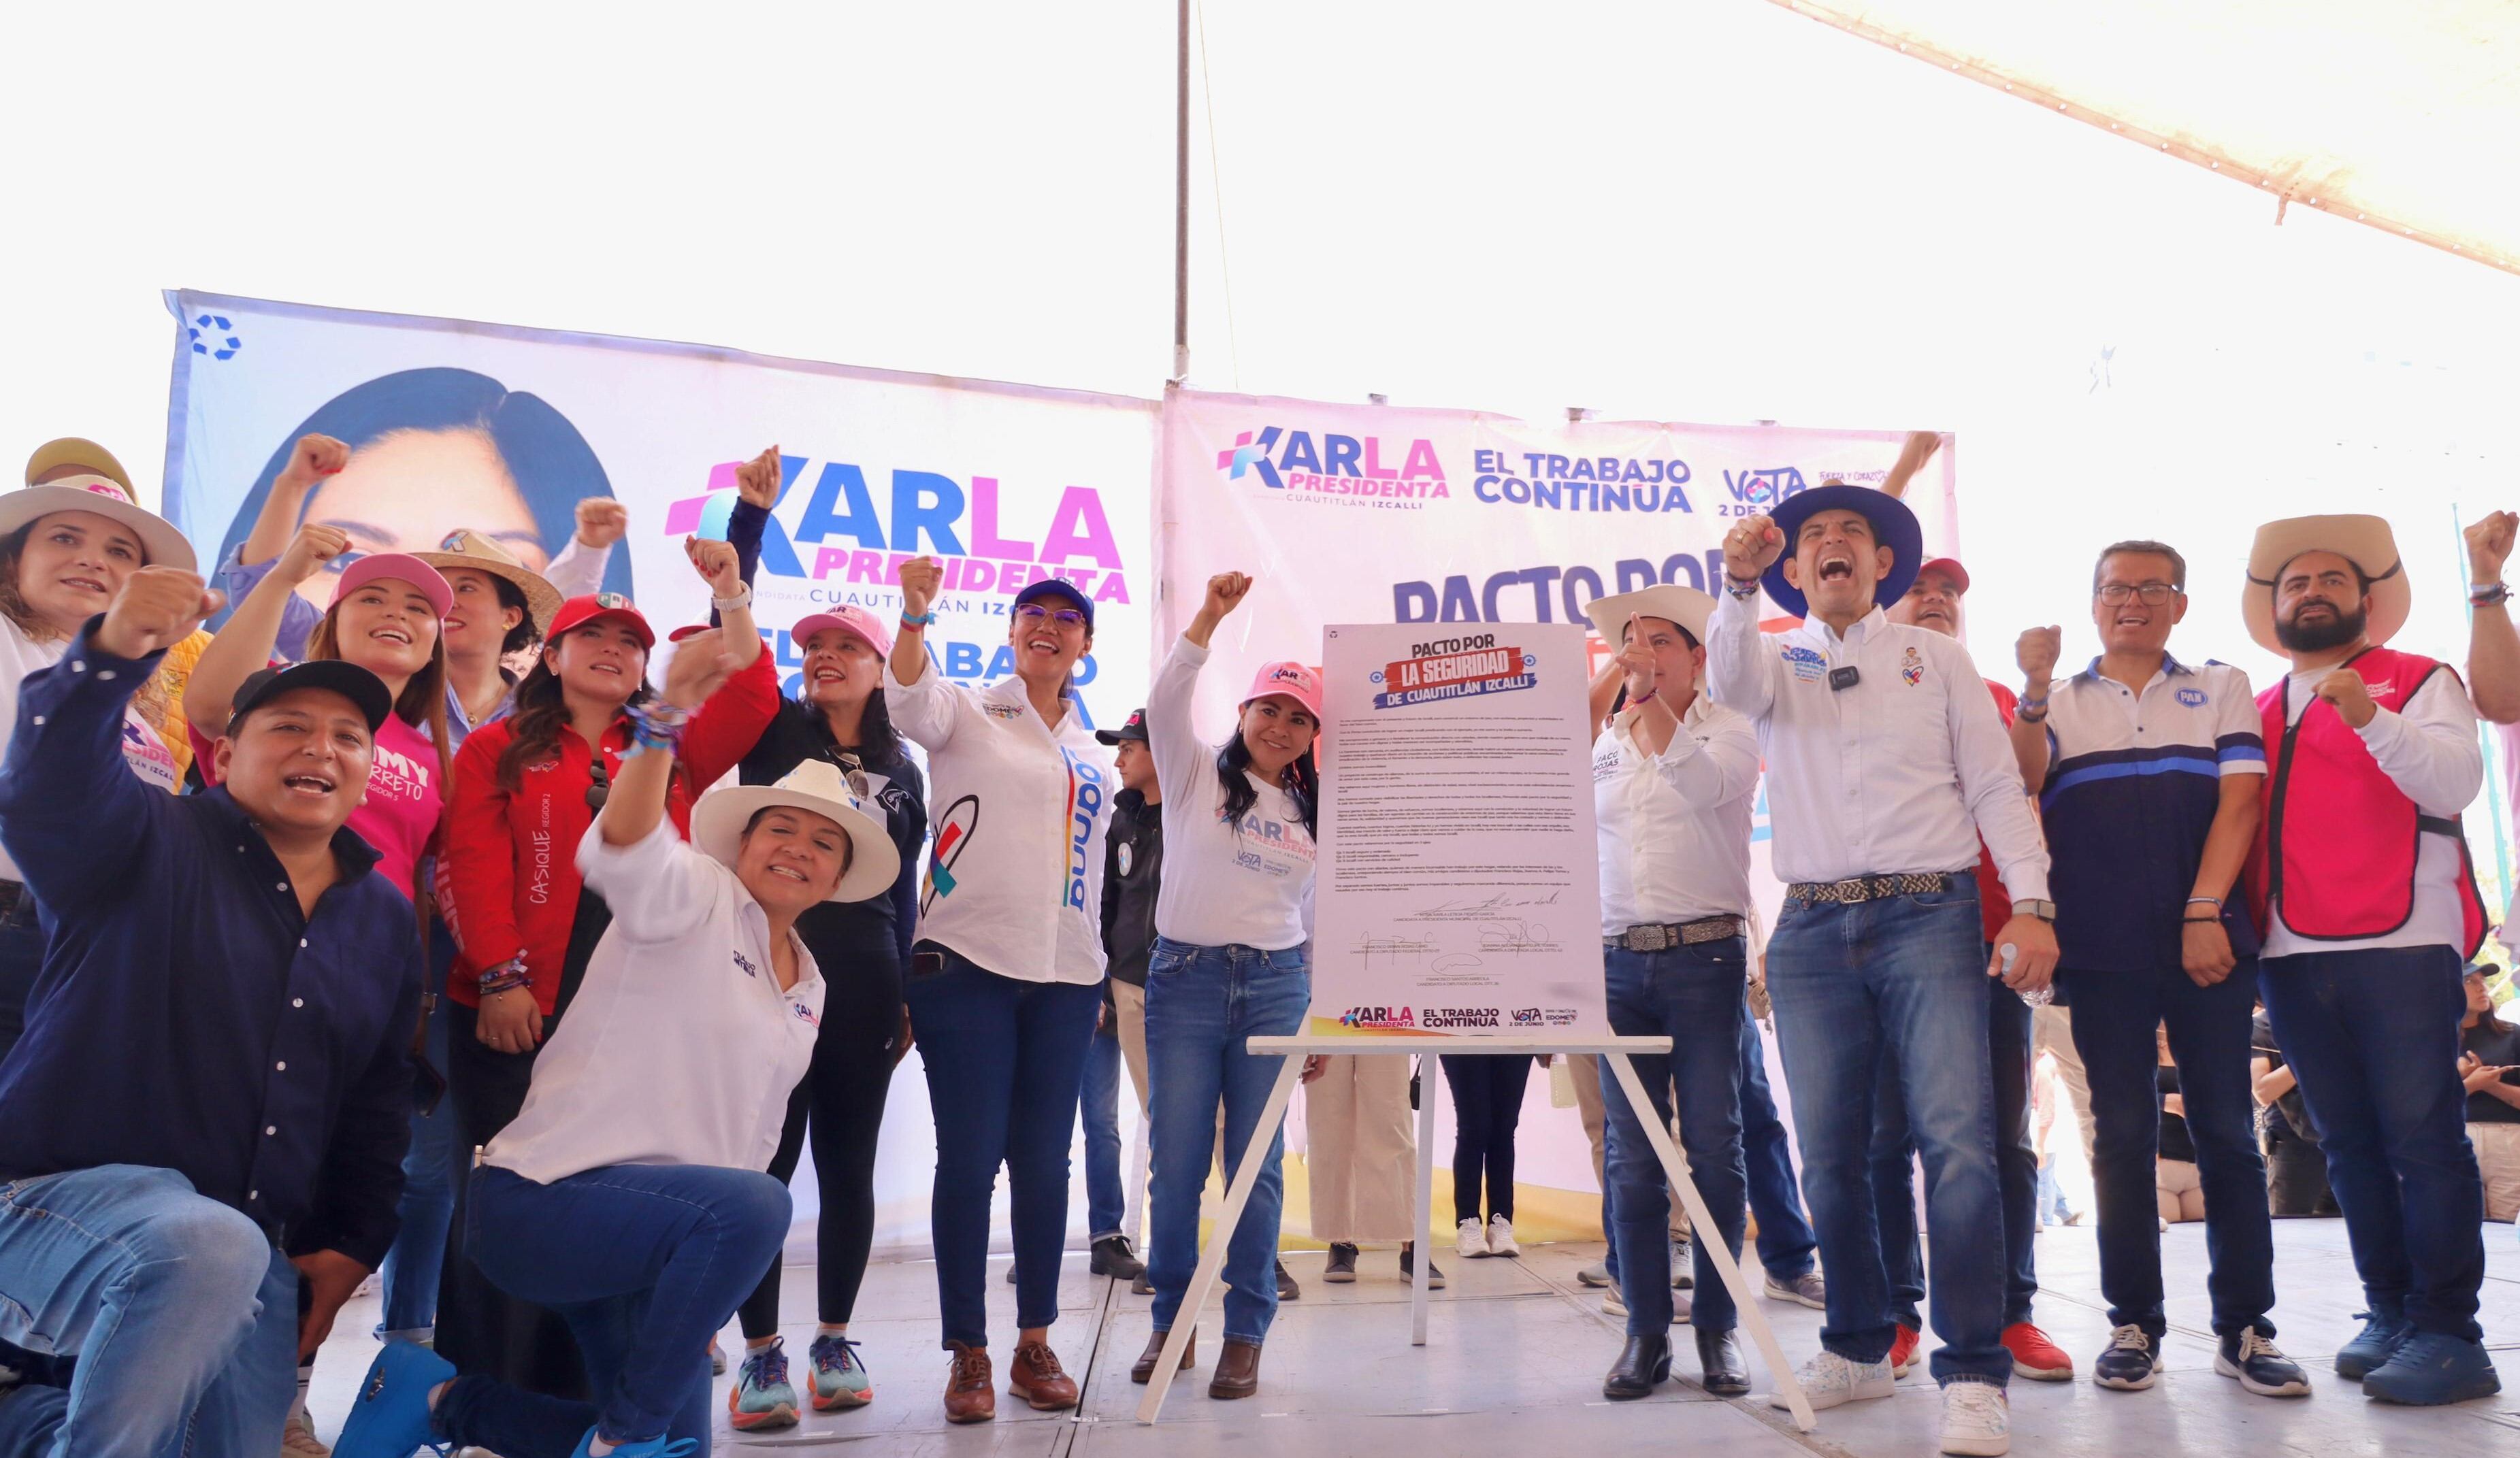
(1237, 1370)
(1145, 1370)
(1035, 1376)
(970, 1388)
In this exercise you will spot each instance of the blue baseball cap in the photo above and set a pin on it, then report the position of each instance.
(1062, 589)
(1893, 526)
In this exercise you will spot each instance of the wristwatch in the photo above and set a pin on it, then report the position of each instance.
(2043, 911)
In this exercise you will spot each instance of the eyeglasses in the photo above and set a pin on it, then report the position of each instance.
(2154, 594)
(1066, 617)
(602, 791)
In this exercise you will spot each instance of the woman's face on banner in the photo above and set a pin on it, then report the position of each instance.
(408, 490)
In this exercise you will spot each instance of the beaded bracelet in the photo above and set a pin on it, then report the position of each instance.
(506, 977)
(1746, 591)
(657, 725)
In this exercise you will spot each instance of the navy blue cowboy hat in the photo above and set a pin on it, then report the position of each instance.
(1893, 525)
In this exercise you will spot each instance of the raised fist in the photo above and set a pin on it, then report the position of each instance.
(920, 577)
(2489, 546)
(757, 479)
(602, 522)
(2036, 652)
(700, 664)
(1225, 592)
(308, 552)
(156, 606)
(717, 563)
(1751, 547)
(314, 458)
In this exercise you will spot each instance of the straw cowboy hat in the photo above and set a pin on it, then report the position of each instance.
(103, 488)
(469, 548)
(2364, 540)
(816, 786)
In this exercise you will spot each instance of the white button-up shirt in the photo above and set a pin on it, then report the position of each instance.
(1019, 808)
(1674, 827)
(2430, 752)
(681, 1048)
(1900, 771)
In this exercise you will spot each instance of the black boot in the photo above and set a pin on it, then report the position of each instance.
(1113, 1258)
(1643, 1362)
(1722, 1370)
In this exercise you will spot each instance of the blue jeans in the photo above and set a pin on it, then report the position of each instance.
(1785, 1239)
(645, 1263)
(1202, 1004)
(2016, 1169)
(1692, 996)
(181, 1314)
(2115, 1015)
(429, 1173)
(1003, 1061)
(1899, 978)
(2374, 1036)
(1099, 1104)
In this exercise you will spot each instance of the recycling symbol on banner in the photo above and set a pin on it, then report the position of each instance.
(211, 335)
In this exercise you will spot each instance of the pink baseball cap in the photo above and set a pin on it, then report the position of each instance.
(400, 567)
(1294, 680)
(855, 621)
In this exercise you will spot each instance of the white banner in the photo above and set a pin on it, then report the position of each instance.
(1362, 514)
(503, 430)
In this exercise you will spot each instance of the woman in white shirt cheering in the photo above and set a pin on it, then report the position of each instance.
(1005, 980)
(628, 1194)
(1230, 961)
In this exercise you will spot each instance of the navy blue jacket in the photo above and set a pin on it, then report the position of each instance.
(186, 1016)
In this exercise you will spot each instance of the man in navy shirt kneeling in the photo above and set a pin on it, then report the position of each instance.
(201, 1131)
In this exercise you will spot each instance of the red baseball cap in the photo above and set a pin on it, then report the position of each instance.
(578, 612)
(857, 622)
(1948, 566)
(1294, 680)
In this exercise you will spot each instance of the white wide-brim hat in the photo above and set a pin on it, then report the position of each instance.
(816, 786)
(166, 545)
(1669, 602)
(2364, 540)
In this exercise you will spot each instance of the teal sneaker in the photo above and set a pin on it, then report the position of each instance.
(390, 1418)
(840, 1375)
(655, 1448)
(761, 1397)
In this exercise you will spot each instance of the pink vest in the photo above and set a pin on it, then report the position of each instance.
(2336, 849)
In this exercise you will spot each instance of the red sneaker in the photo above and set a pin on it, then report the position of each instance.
(2035, 1356)
(1902, 1351)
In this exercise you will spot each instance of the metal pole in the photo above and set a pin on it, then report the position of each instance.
(1181, 201)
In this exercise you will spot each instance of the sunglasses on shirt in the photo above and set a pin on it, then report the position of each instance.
(602, 791)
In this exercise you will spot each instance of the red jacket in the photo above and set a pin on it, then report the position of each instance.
(1994, 906)
(509, 879)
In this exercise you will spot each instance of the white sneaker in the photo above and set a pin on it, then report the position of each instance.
(1501, 1237)
(1977, 1420)
(1472, 1243)
(299, 1440)
(1614, 1302)
(1829, 1380)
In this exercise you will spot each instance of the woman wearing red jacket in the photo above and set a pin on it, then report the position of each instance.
(525, 789)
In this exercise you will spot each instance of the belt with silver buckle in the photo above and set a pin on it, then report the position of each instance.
(1661, 937)
(1874, 888)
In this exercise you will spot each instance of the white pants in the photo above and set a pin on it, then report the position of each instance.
(1360, 1149)
(2497, 1158)
(2051, 1031)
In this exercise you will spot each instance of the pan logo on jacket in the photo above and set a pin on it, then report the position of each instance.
(953, 832)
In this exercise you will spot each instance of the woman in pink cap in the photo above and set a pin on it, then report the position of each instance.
(838, 716)
(1230, 961)
(387, 616)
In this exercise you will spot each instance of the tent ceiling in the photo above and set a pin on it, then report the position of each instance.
(2403, 115)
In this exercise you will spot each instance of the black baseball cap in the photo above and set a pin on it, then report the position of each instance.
(1134, 730)
(1058, 587)
(349, 680)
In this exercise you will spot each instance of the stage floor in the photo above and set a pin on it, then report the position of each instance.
(1515, 1354)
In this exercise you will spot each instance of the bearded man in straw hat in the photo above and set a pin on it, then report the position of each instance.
(2362, 881)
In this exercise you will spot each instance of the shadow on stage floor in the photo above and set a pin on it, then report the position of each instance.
(1515, 1356)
